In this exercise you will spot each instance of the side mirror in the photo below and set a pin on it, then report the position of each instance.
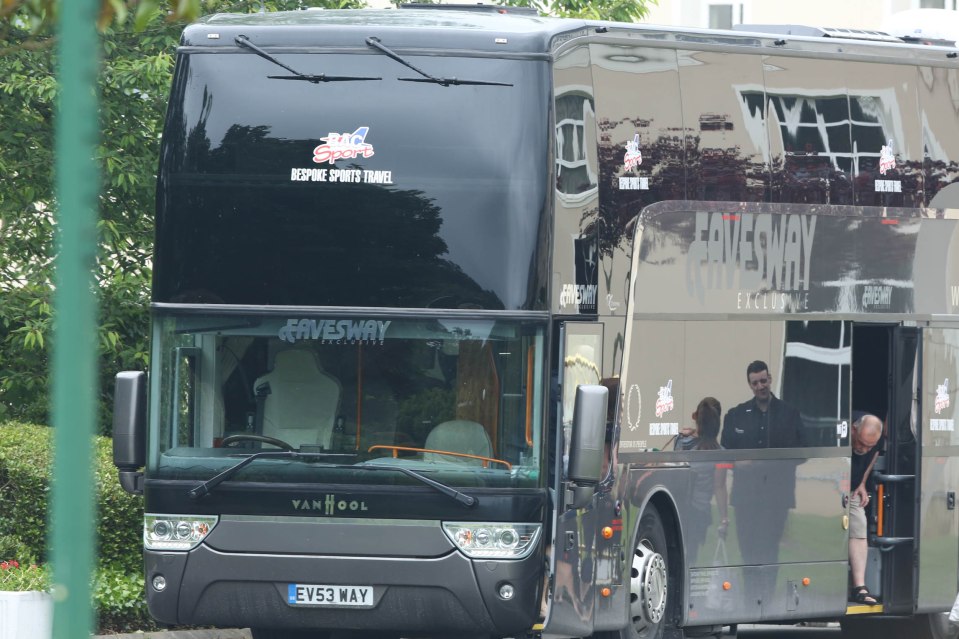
(129, 429)
(588, 435)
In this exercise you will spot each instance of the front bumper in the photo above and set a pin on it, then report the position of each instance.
(449, 593)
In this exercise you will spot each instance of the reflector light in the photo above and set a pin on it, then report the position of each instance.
(493, 541)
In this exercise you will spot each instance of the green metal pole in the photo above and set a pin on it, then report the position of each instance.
(75, 333)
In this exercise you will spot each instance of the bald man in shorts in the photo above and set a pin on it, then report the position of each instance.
(867, 443)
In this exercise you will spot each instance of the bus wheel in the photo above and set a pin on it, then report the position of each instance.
(649, 601)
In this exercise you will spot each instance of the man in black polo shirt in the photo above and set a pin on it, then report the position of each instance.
(761, 498)
(765, 421)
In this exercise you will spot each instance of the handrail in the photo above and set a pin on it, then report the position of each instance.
(888, 543)
(397, 449)
(892, 479)
(529, 396)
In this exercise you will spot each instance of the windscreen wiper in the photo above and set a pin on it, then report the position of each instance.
(243, 41)
(462, 498)
(207, 487)
(446, 82)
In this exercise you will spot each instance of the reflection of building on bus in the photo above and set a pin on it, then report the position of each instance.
(436, 290)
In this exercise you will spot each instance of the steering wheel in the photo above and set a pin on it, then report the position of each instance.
(250, 437)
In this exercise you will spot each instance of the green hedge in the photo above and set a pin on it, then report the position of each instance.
(25, 480)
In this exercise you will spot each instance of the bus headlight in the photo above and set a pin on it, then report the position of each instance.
(481, 540)
(176, 532)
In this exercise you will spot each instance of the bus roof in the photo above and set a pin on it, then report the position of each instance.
(415, 28)
(454, 28)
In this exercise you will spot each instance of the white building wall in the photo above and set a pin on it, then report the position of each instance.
(852, 14)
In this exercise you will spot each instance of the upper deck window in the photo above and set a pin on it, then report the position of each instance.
(353, 193)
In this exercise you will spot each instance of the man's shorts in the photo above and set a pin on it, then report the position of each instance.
(857, 519)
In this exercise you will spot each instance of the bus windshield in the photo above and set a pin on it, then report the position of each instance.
(458, 399)
(353, 193)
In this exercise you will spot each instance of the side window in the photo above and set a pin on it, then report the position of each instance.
(939, 401)
(816, 376)
(938, 103)
(809, 132)
(726, 147)
(776, 384)
(582, 364)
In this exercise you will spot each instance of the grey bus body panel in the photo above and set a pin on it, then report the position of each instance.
(938, 480)
(811, 544)
(317, 536)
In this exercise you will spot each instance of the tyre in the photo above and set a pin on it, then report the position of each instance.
(652, 600)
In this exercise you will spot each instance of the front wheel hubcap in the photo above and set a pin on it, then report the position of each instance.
(648, 586)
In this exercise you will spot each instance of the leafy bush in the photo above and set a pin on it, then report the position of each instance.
(120, 602)
(26, 456)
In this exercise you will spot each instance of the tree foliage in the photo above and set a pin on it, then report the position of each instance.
(138, 42)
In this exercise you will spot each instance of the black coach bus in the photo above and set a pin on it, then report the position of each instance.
(437, 291)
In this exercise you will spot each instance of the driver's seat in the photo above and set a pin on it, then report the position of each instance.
(300, 400)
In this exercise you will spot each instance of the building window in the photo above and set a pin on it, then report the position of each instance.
(932, 4)
(720, 16)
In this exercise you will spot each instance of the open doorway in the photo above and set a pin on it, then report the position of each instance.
(883, 383)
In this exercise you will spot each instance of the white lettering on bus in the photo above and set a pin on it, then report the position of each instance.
(876, 296)
(663, 428)
(580, 294)
(335, 331)
(749, 301)
(765, 250)
(634, 183)
(351, 176)
(329, 505)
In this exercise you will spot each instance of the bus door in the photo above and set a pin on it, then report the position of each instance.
(938, 477)
(886, 383)
(573, 561)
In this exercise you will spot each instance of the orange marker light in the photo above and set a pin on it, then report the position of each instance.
(606, 592)
(607, 532)
(806, 581)
(727, 585)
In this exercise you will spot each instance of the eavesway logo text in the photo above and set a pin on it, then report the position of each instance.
(345, 331)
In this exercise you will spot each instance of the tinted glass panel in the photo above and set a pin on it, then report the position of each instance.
(726, 148)
(887, 159)
(676, 365)
(641, 151)
(939, 103)
(575, 266)
(353, 193)
(458, 398)
(809, 132)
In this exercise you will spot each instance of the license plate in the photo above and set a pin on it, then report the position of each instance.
(317, 595)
